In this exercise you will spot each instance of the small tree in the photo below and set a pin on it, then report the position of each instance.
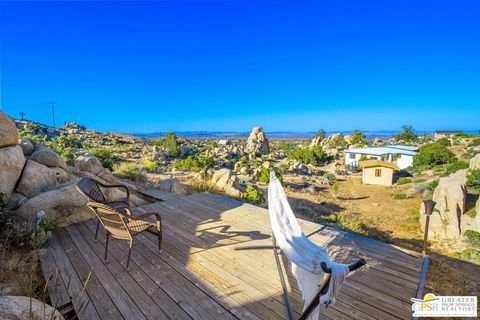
(22, 114)
(359, 138)
(321, 134)
(408, 134)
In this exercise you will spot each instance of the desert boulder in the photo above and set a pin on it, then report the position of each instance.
(11, 165)
(8, 131)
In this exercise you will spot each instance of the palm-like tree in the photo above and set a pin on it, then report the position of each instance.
(22, 114)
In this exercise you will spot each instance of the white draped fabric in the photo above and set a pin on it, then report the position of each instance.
(304, 255)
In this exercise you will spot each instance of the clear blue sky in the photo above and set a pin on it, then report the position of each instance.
(230, 65)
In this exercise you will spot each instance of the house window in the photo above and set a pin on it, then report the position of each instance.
(352, 155)
(378, 172)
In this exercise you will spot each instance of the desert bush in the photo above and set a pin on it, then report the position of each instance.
(401, 196)
(433, 154)
(150, 165)
(195, 163)
(473, 179)
(469, 254)
(264, 176)
(444, 142)
(253, 195)
(129, 170)
(338, 142)
(455, 166)
(330, 177)
(403, 180)
(335, 187)
(313, 156)
(340, 222)
(169, 143)
(475, 142)
(106, 157)
(359, 139)
(473, 237)
(199, 185)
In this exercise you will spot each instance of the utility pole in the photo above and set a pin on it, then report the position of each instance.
(52, 104)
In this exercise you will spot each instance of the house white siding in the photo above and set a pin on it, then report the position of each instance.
(404, 161)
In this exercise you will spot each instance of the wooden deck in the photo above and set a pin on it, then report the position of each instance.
(200, 275)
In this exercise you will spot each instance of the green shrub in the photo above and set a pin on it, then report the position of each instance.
(473, 237)
(475, 142)
(253, 195)
(403, 180)
(340, 222)
(359, 139)
(433, 154)
(444, 142)
(473, 179)
(196, 163)
(330, 177)
(469, 254)
(169, 143)
(150, 165)
(338, 142)
(432, 185)
(335, 187)
(313, 156)
(455, 166)
(129, 170)
(106, 157)
(264, 176)
(42, 231)
(401, 196)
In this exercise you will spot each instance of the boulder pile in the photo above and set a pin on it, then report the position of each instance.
(257, 142)
(33, 180)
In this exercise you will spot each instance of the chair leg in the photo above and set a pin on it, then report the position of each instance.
(96, 232)
(106, 246)
(129, 251)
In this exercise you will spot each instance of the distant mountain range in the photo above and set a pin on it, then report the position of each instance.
(272, 134)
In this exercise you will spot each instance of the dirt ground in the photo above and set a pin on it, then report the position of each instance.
(372, 211)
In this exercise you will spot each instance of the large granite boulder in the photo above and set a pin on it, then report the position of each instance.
(48, 158)
(91, 164)
(38, 178)
(475, 162)
(257, 142)
(227, 181)
(172, 184)
(26, 308)
(26, 145)
(11, 165)
(8, 131)
(64, 201)
(450, 196)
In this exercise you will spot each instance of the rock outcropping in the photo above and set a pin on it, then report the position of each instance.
(227, 181)
(449, 220)
(257, 142)
(12, 159)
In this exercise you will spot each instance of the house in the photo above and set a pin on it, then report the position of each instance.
(401, 155)
(378, 172)
(223, 142)
(446, 134)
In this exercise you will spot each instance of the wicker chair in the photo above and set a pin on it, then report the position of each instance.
(116, 215)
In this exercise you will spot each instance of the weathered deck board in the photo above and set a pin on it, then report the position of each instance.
(200, 274)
